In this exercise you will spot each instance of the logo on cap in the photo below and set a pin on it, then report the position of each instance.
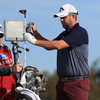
(61, 9)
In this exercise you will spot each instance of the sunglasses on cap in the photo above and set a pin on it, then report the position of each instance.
(1, 35)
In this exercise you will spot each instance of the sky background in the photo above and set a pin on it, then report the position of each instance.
(41, 13)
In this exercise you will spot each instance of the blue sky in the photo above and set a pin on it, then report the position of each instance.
(41, 13)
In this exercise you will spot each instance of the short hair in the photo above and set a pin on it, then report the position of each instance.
(74, 14)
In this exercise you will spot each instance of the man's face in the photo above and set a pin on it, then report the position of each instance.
(1, 36)
(66, 22)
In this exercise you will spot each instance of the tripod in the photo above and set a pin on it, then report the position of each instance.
(16, 57)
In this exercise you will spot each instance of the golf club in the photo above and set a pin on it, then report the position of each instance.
(23, 11)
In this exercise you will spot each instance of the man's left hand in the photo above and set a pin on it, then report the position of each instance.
(28, 37)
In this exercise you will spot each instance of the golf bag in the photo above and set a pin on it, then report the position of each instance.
(32, 82)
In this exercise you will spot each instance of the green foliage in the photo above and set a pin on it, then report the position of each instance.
(50, 94)
(94, 92)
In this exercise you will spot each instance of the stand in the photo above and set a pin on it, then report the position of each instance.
(16, 57)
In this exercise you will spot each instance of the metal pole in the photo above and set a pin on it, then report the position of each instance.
(25, 44)
(23, 11)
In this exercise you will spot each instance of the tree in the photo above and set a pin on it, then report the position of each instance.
(94, 92)
(50, 94)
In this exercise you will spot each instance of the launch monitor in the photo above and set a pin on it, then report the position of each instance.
(14, 29)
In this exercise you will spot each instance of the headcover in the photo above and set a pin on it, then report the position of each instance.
(28, 70)
(27, 94)
(29, 29)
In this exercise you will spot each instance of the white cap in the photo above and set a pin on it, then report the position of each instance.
(1, 31)
(66, 10)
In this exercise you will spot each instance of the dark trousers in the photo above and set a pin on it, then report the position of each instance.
(73, 90)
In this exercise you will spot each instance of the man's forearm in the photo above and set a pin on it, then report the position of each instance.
(38, 36)
(5, 71)
(48, 45)
(51, 45)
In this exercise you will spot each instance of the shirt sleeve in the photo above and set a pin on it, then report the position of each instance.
(74, 39)
(5, 71)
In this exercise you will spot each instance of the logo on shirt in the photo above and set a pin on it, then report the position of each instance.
(3, 56)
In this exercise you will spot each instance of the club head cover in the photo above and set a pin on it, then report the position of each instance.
(29, 28)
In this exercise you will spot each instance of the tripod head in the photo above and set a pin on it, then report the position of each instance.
(16, 51)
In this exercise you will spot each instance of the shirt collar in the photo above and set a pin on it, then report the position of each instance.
(68, 32)
(77, 24)
(1, 45)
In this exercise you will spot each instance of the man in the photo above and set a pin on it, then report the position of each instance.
(72, 55)
(7, 83)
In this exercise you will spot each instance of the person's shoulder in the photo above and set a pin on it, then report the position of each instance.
(6, 47)
(82, 29)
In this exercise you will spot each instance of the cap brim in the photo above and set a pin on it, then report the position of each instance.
(60, 15)
(55, 16)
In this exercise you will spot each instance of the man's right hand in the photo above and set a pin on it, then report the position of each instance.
(17, 68)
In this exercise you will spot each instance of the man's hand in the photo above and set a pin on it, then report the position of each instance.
(17, 68)
(28, 37)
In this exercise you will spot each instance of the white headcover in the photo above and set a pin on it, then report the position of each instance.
(30, 93)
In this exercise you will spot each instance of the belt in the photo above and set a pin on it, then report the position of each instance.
(66, 79)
